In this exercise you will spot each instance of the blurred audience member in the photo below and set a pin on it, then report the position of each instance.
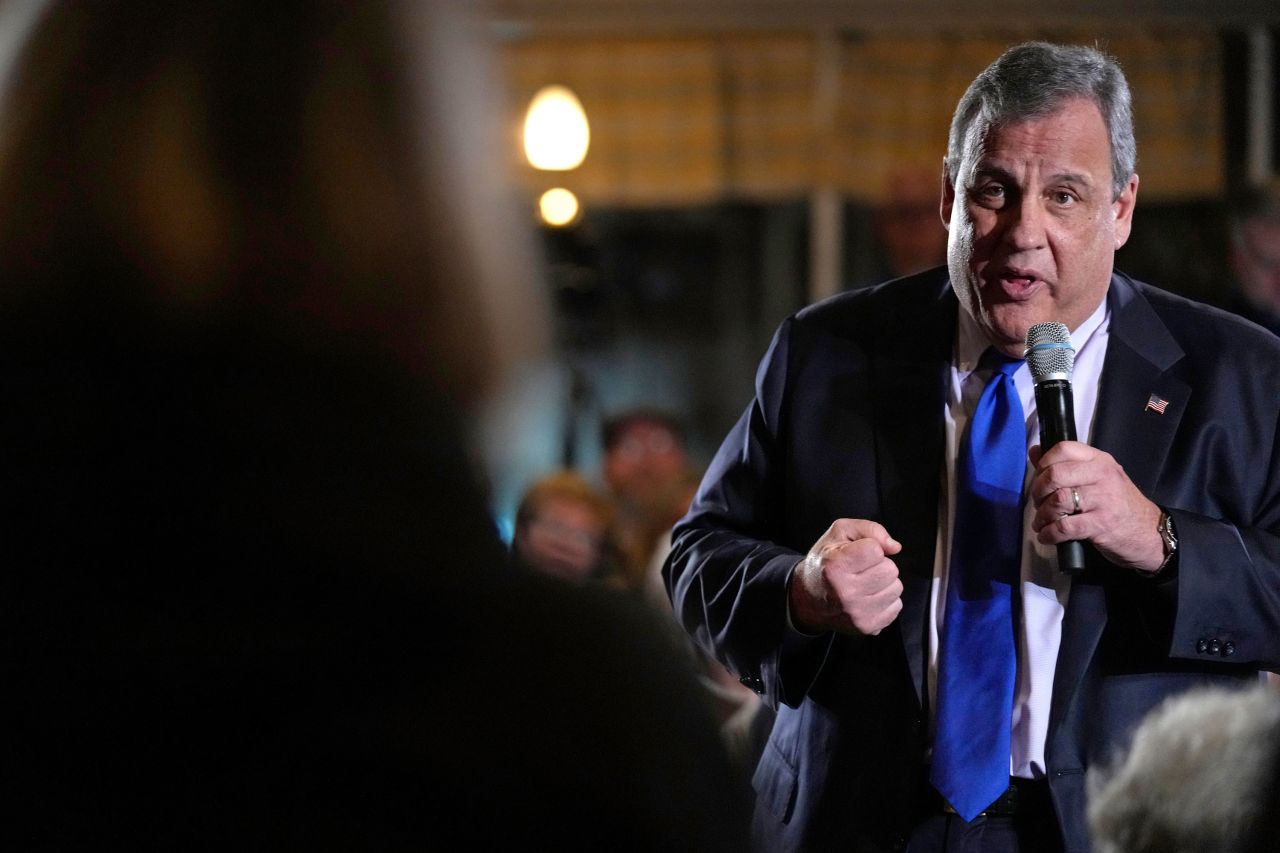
(745, 720)
(563, 528)
(1254, 253)
(909, 233)
(257, 274)
(645, 466)
(1201, 776)
(679, 496)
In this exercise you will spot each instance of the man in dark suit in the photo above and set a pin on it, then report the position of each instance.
(815, 560)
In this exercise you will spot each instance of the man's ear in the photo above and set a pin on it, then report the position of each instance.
(948, 198)
(1122, 209)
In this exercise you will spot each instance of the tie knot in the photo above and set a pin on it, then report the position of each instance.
(997, 361)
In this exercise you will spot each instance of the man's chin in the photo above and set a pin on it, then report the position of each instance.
(1007, 326)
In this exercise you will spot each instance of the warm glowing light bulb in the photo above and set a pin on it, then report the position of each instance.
(558, 207)
(556, 134)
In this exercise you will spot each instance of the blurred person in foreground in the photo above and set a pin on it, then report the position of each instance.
(563, 529)
(874, 545)
(645, 465)
(1253, 222)
(1202, 776)
(253, 598)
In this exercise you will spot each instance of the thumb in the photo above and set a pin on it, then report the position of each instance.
(865, 529)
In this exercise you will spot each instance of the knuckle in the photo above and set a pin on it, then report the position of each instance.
(869, 546)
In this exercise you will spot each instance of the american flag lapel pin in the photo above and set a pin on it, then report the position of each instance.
(1156, 403)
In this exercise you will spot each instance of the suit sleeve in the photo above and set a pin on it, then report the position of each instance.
(727, 573)
(1227, 588)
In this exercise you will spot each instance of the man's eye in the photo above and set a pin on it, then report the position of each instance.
(1063, 198)
(989, 195)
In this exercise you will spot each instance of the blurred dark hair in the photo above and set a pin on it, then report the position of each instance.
(322, 170)
(616, 425)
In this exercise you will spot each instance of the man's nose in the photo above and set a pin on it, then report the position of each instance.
(1024, 227)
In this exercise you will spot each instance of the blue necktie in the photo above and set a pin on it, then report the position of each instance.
(977, 661)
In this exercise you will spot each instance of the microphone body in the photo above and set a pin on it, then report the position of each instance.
(1056, 411)
(1051, 358)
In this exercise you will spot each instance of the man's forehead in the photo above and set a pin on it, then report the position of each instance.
(642, 425)
(991, 144)
(984, 127)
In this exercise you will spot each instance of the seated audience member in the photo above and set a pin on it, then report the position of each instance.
(645, 463)
(1254, 255)
(563, 528)
(257, 276)
(1200, 777)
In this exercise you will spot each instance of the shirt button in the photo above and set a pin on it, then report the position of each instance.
(1202, 645)
(1215, 646)
(1228, 649)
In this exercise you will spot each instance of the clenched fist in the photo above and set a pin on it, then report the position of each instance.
(847, 582)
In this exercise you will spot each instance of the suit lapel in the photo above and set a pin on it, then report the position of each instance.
(910, 368)
(1139, 355)
(1140, 352)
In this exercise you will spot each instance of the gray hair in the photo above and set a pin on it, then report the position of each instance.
(1199, 778)
(1032, 80)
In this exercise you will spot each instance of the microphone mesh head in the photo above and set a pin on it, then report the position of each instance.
(1049, 352)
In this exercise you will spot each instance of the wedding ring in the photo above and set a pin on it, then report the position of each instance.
(1075, 501)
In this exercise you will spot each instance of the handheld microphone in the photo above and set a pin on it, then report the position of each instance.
(1051, 358)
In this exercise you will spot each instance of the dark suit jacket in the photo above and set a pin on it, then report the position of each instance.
(847, 423)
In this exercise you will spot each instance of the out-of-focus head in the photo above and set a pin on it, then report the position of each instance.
(906, 222)
(1199, 777)
(322, 170)
(1039, 188)
(644, 455)
(562, 527)
(1255, 245)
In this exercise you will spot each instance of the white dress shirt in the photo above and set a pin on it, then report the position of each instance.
(1044, 588)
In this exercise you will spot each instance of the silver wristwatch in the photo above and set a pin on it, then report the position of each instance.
(1168, 536)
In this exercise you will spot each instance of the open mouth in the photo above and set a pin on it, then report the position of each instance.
(1017, 283)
